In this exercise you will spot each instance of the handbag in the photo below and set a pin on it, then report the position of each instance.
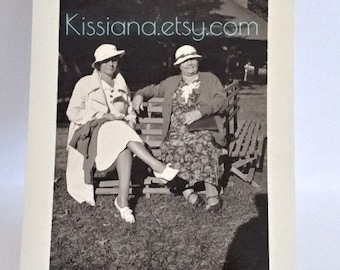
(204, 123)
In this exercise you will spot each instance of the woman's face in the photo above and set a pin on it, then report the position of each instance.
(109, 66)
(189, 67)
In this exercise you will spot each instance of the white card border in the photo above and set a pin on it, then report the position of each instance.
(42, 124)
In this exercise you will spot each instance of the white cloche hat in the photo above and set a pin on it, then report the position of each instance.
(106, 51)
(184, 53)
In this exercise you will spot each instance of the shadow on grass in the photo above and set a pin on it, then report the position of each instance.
(249, 248)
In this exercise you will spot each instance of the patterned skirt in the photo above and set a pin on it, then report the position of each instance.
(194, 154)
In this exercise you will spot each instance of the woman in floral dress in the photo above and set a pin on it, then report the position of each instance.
(187, 98)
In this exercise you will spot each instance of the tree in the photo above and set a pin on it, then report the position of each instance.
(259, 7)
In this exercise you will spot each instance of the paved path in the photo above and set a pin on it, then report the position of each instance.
(253, 102)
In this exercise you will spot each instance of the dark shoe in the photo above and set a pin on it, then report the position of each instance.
(177, 185)
(215, 207)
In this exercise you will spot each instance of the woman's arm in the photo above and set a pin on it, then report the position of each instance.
(130, 115)
(76, 110)
(214, 99)
(153, 90)
(76, 107)
(145, 94)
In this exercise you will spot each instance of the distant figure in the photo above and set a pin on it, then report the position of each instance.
(247, 67)
(102, 132)
(235, 64)
(187, 98)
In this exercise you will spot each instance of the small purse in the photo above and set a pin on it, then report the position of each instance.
(205, 123)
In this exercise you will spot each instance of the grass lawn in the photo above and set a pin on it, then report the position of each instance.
(168, 234)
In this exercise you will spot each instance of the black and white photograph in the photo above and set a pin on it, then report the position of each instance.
(161, 136)
(233, 166)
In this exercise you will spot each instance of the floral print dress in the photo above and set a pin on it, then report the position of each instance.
(193, 153)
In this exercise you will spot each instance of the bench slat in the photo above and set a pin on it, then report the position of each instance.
(248, 139)
(232, 105)
(151, 131)
(158, 190)
(254, 141)
(151, 120)
(109, 183)
(110, 191)
(233, 94)
(240, 139)
(156, 100)
(231, 116)
(152, 179)
(155, 109)
(112, 183)
(237, 133)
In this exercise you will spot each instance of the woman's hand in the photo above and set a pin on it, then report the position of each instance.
(131, 120)
(132, 124)
(192, 116)
(116, 116)
(137, 103)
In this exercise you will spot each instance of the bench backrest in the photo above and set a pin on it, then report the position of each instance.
(150, 122)
(232, 90)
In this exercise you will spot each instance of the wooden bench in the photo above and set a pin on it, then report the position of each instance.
(246, 150)
(243, 148)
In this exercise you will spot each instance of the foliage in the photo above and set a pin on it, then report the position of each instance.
(259, 7)
(154, 10)
(159, 9)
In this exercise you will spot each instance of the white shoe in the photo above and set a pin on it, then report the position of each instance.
(168, 174)
(125, 213)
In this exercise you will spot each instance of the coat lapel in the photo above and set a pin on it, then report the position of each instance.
(96, 90)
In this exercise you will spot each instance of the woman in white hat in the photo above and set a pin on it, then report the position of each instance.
(101, 132)
(187, 98)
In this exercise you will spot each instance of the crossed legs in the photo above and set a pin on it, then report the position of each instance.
(124, 163)
(142, 153)
(123, 166)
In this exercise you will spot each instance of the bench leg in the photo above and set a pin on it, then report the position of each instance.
(237, 172)
(246, 177)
